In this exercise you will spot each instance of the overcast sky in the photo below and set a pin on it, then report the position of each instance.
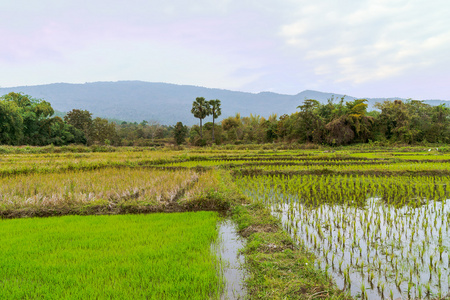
(362, 48)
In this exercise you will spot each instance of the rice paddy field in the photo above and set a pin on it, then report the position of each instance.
(154, 256)
(378, 226)
(376, 222)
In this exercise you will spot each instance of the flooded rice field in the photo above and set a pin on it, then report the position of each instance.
(378, 238)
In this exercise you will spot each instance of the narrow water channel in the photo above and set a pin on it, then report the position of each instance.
(227, 248)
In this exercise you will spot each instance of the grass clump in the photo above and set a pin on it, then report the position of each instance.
(214, 190)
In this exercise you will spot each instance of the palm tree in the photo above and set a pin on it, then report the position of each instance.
(215, 111)
(200, 109)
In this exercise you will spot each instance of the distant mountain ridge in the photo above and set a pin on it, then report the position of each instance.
(169, 103)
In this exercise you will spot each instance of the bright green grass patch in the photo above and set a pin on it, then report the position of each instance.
(157, 256)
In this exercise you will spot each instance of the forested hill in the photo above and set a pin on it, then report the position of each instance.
(167, 103)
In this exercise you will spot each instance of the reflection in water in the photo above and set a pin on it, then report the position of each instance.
(375, 250)
(227, 248)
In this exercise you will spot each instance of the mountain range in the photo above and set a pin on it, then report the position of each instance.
(169, 103)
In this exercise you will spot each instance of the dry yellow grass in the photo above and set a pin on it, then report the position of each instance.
(107, 186)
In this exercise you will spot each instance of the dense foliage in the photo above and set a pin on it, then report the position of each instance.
(143, 134)
(28, 121)
(180, 133)
(342, 124)
(25, 120)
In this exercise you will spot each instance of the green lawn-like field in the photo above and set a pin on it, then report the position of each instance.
(157, 256)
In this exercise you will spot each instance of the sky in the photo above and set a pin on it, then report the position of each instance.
(361, 48)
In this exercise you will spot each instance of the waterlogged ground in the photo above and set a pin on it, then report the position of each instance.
(232, 261)
(373, 247)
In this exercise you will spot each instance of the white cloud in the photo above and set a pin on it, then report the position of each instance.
(371, 40)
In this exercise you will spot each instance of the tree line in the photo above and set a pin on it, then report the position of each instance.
(28, 121)
(333, 123)
(25, 120)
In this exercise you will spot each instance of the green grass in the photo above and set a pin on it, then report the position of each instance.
(277, 267)
(157, 256)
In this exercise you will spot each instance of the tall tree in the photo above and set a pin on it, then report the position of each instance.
(310, 123)
(11, 123)
(180, 132)
(57, 132)
(394, 121)
(34, 112)
(230, 127)
(104, 132)
(216, 111)
(357, 118)
(439, 130)
(82, 120)
(200, 109)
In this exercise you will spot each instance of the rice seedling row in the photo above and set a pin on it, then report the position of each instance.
(379, 237)
(12, 164)
(230, 163)
(392, 167)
